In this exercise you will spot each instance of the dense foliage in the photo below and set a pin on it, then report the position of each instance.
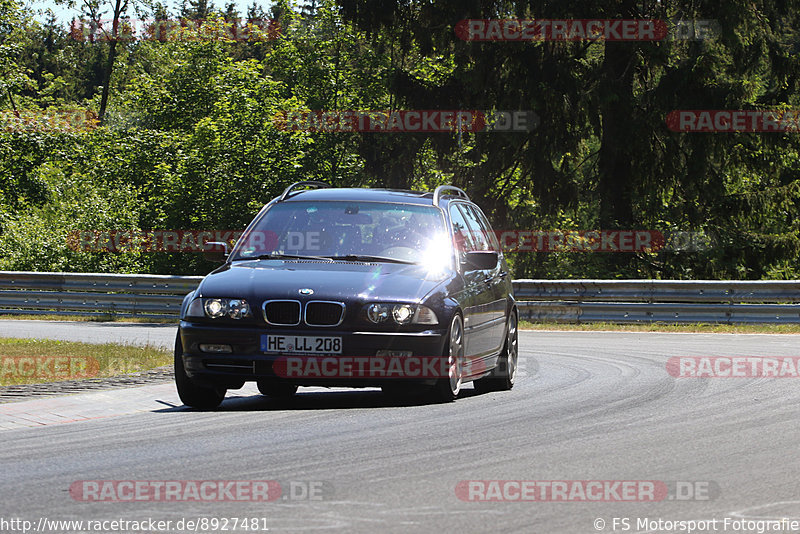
(188, 139)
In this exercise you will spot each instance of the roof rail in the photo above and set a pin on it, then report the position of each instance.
(440, 192)
(298, 185)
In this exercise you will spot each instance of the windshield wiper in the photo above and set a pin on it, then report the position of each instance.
(277, 256)
(364, 257)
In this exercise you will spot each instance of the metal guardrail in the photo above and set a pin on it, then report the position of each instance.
(92, 294)
(572, 301)
(645, 301)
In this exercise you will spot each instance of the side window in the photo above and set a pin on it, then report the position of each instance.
(487, 228)
(465, 241)
(477, 230)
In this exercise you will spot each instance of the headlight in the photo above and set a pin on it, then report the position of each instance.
(238, 308)
(377, 313)
(216, 308)
(401, 314)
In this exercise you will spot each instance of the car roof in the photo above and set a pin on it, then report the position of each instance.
(363, 194)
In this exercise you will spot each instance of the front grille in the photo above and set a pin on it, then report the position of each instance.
(324, 313)
(282, 312)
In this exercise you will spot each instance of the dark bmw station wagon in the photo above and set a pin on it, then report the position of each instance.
(357, 288)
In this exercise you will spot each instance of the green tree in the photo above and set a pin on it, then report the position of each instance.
(602, 155)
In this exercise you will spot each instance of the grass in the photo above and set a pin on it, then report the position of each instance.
(704, 328)
(35, 361)
(87, 318)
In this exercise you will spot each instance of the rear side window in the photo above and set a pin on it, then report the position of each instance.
(484, 224)
(477, 230)
(463, 234)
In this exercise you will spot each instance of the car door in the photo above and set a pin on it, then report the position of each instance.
(470, 302)
(480, 308)
(496, 279)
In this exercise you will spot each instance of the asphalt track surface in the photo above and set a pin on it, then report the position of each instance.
(588, 406)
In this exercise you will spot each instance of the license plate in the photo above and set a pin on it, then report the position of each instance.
(301, 344)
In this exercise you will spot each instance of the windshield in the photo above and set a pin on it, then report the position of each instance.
(349, 230)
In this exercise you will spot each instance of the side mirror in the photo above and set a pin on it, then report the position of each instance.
(481, 259)
(215, 254)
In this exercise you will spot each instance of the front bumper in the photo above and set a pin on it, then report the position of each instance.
(247, 362)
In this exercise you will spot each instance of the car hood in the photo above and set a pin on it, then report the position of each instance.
(258, 280)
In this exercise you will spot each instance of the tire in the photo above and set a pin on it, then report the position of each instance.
(276, 388)
(393, 391)
(402, 392)
(191, 394)
(503, 376)
(447, 389)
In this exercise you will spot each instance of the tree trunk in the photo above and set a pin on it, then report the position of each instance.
(112, 52)
(618, 141)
